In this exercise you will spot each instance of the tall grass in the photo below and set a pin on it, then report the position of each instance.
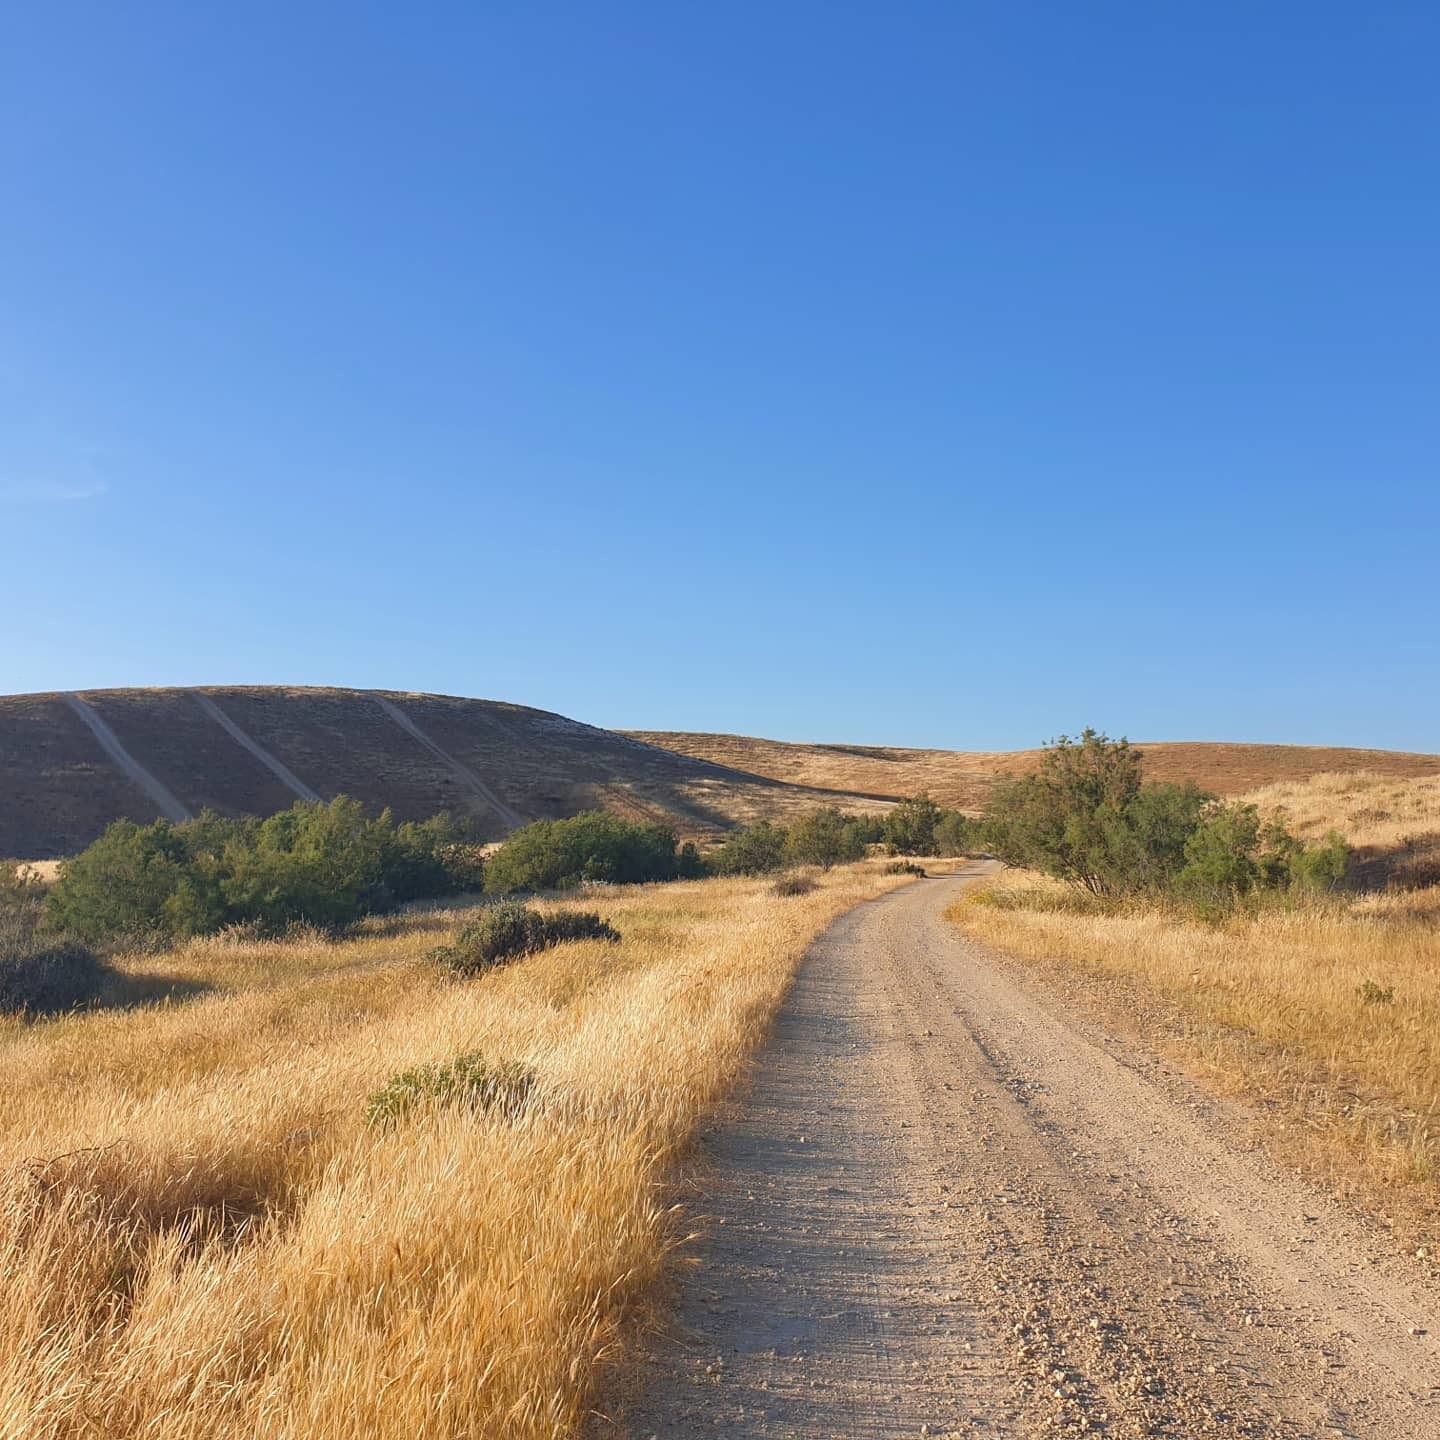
(201, 1237)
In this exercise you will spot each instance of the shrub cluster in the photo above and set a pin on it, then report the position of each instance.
(560, 854)
(467, 1080)
(508, 930)
(1089, 818)
(39, 971)
(324, 864)
(793, 885)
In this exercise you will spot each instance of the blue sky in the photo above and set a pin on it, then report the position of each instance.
(948, 374)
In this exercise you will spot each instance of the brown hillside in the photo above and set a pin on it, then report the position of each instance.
(256, 749)
(964, 778)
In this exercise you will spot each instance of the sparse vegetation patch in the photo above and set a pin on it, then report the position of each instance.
(510, 930)
(468, 1081)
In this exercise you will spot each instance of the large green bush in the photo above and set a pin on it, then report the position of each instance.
(755, 850)
(559, 854)
(824, 837)
(1089, 818)
(323, 864)
(509, 930)
(909, 829)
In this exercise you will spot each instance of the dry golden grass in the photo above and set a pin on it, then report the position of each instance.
(1272, 1006)
(201, 1237)
(966, 778)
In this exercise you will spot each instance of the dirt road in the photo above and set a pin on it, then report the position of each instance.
(948, 1207)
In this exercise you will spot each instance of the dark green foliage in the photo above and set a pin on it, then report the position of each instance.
(1220, 855)
(793, 885)
(957, 834)
(323, 864)
(756, 850)
(1064, 819)
(869, 829)
(1321, 867)
(559, 854)
(909, 829)
(824, 837)
(508, 930)
(1088, 818)
(39, 972)
(468, 1080)
(688, 864)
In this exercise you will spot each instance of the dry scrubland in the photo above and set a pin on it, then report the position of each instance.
(1327, 1013)
(201, 1237)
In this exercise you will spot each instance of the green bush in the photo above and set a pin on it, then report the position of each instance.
(793, 885)
(756, 850)
(322, 864)
(508, 930)
(468, 1080)
(39, 972)
(560, 854)
(1088, 818)
(956, 834)
(824, 837)
(909, 829)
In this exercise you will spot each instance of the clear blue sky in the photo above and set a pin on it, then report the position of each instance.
(947, 374)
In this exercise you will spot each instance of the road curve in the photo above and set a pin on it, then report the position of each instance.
(949, 1207)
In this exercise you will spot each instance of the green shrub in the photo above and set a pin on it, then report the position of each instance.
(793, 885)
(320, 864)
(468, 1080)
(755, 850)
(39, 972)
(909, 829)
(956, 834)
(824, 837)
(560, 854)
(1321, 867)
(508, 930)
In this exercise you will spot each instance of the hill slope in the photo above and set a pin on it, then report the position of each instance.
(964, 778)
(70, 764)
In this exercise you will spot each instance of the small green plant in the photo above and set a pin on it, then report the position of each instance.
(793, 885)
(1373, 993)
(468, 1080)
(508, 930)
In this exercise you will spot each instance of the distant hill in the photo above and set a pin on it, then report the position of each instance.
(964, 778)
(72, 763)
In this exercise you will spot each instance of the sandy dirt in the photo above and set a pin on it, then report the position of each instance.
(947, 1207)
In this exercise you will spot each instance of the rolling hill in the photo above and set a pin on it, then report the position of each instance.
(964, 778)
(72, 763)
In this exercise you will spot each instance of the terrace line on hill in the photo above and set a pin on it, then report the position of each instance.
(162, 799)
(282, 772)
